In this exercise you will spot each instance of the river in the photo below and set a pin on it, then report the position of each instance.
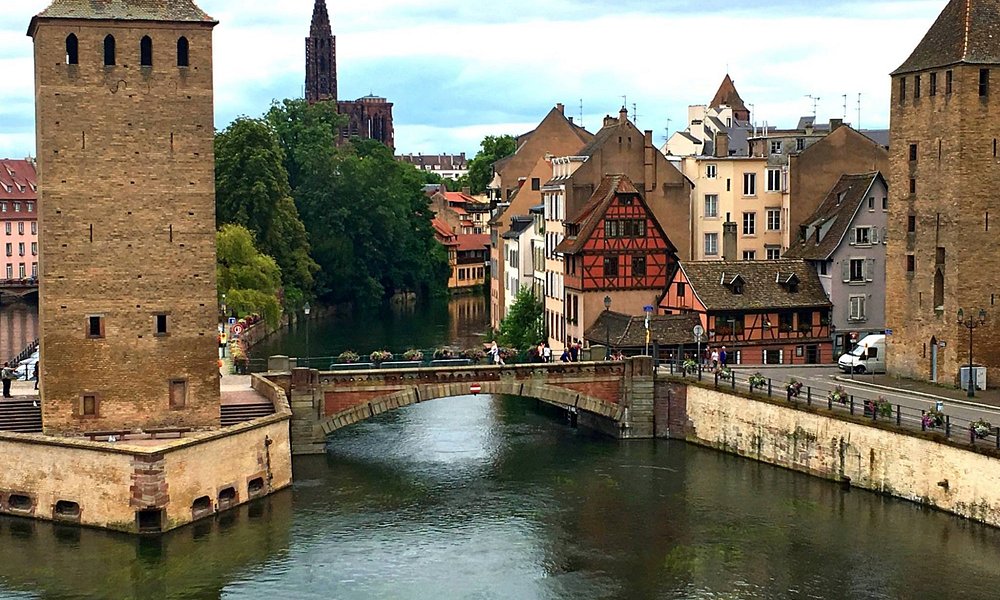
(486, 497)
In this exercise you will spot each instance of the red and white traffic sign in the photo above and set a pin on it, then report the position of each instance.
(236, 329)
(475, 388)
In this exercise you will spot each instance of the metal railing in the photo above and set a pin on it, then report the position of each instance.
(837, 400)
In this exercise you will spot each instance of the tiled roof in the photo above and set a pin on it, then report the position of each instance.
(518, 225)
(833, 217)
(475, 241)
(18, 180)
(443, 231)
(966, 31)
(128, 10)
(727, 95)
(761, 288)
(627, 331)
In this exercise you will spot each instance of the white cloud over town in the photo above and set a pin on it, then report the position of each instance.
(457, 71)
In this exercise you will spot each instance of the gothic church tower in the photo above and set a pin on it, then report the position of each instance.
(944, 211)
(321, 57)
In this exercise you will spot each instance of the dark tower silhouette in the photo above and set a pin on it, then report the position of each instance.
(321, 57)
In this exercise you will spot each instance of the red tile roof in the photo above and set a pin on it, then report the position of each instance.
(474, 241)
(18, 180)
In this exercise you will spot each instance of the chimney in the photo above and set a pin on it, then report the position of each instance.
(467, 191)
(609, 120)
(623, 115)
(729, 240)
(570, 120)
(835, 124)
(721, 144)
(648, 162)
(561, 108)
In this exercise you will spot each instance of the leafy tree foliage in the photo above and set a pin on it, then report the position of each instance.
(492, 149)
(252, 190)
(522, 328)
(250, 280)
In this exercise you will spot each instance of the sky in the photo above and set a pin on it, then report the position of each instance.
(458, 70)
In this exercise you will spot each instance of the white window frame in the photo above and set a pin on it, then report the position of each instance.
(749, 255)
(774, 180)
(749, 184)
(711, 240)
(773, 219)
(856, 310)
(773, 252)
(749, 223)
(715, 211)
(711, 171)
(775, 146)
(862, 236)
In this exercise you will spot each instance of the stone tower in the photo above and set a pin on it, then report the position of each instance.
(124, 130)
(321, 57)
(943, 210)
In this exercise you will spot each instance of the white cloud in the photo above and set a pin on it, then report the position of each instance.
(457, 70)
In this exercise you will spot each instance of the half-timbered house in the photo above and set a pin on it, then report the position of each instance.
(762, 312)
(614, 250)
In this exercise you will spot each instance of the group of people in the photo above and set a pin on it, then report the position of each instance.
(715, 357)
(543, 353)
(8, 374)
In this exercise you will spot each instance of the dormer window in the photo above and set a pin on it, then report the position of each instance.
(734, 282)
(789, 281)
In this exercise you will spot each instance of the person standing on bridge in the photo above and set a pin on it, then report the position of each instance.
(495, 353)
(722, 357)
(6, 375)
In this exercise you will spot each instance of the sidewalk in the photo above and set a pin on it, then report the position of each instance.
(989, 397)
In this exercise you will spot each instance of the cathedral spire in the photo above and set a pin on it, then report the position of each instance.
(321, 57)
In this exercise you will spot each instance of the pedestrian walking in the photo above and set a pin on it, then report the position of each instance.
(35, 374)
(722, 356)
(495, 353)
(540, 352)
(715, 358)
(6, 375)
(547, 353)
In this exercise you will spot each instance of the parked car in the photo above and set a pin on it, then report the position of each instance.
(867, 357)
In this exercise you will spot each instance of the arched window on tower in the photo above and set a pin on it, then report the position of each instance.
(182, 52)
(145, 52)
(109, 51)
(72, 50)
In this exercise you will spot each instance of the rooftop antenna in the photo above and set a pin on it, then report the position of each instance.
(751, 113)
(581, 112)
(815, 101)
(859, 111)
(624, 101)
(666, 136)
(635, 115)
(845, 107)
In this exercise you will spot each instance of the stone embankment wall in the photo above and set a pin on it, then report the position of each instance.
(104, 484)
(962, 481)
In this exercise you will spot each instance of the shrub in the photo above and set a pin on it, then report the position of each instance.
(379, 356)
(413, 354)
(443, 353)
(348, 356)
(981, 428)
(474, 354)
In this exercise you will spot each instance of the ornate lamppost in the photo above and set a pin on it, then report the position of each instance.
(607, 328)
(970, 323)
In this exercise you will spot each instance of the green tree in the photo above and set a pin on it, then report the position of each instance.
(252, 190)
(492, 149)
(250, 280)
(308, 135)
(522, 328)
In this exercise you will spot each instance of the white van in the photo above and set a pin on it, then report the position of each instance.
(867, 357)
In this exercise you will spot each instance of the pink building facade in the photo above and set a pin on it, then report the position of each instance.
(18, 220)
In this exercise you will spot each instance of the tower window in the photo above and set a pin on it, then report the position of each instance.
(146, 51)
(916, 87)
(72, 50)
(95, 326)
(933, 78)
(913, 152)
(911, 224)
(109, 51)
(902, 89)
(984, 82)
(911, 263)
(947, 82)
(182, 52)
(160, 321)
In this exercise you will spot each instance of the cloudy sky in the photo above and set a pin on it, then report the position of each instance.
(457, 70)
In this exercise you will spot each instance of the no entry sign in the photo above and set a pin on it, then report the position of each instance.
(475, 388)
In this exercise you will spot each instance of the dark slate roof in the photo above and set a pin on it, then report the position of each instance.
(761, 289)
(518, 225)
(966, 31)
(628, 331)
(826, 228)
(127, 10)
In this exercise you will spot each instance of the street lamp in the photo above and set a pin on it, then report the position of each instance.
(971, 323)
(607, 328)
(306, 310)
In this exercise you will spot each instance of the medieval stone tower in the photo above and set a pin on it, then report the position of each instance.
(944, 212)
(321, 57)
(124, 127)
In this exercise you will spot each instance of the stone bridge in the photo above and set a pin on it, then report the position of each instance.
(613, 397)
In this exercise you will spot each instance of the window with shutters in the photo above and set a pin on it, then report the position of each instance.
(857, 308)
(855, 270)
(862, 236)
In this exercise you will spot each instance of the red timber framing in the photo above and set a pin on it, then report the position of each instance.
(616, 243)
(787, 323)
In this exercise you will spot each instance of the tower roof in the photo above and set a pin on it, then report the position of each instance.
(966, 31)
(320, 25)
(728, 96)
(124, 10)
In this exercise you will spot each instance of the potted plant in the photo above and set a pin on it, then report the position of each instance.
(981, 428)
(380, 356)
(689, 366)
(932, 418)
(413, 354)
(883, 407)
(348, 356)
(838, 394)
(443, 353)
(508, 354)
(794, 387)
(757, 381)
(724, 372)
(473, 354)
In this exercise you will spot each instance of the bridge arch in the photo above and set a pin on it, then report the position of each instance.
(365, 396)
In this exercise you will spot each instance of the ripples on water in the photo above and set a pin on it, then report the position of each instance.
(482, 497)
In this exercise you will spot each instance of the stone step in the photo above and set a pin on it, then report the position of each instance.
(231, 414)
(20, 416)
